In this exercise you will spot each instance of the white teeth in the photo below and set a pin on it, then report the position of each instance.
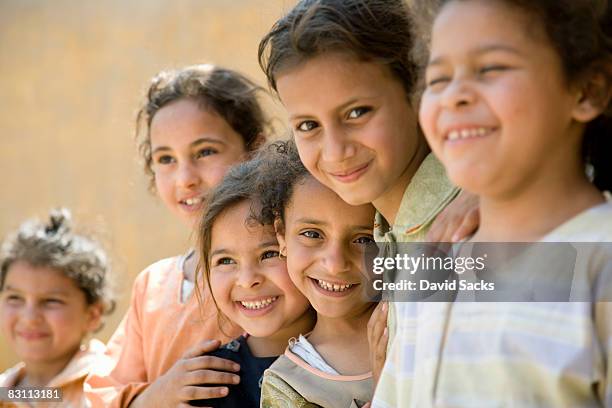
(193, 201)
(467, 133)
(259, 303)
(333, 287)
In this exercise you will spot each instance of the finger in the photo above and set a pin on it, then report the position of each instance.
(191, 393)
(211, 362)
(381, 347)
(468, 226)
(374, 322)
(367, 405)
(203, 347)
(203, 377)
(436, 230)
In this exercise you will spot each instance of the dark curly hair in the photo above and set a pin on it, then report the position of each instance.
(279, 171)
(226, 92)
(581, 33)
(370, 30)
(53, 244)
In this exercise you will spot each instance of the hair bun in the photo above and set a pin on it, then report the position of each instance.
(59, 221)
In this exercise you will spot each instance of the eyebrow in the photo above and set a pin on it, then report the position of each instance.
(192, 144)
(482, 50)
(318, 222)
(339, 108)
(53, 292)
(310, 221)
(264, 244)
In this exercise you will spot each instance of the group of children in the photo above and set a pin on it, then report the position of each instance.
(407, 119)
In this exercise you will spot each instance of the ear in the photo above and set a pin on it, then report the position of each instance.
(259, 141)
(593, 98)
(94, 312)
(279, 227)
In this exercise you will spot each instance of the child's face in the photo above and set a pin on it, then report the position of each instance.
(325, 239)
(354, 127)
(248, 279)
(44, 314)
(192, 148)
(497, 110)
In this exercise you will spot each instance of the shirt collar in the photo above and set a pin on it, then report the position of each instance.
(427, 194)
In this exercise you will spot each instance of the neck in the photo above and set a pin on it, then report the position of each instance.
(275, 345)
(41, 374)
(389, 202)
(343, 329)
(537, 210)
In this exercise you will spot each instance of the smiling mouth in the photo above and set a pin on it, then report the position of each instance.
(258, 304)
(333, 287)
(32, 336)
(352, 174)
(471, 133)
(192, 202)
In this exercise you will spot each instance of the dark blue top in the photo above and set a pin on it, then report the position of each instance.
(248, 392)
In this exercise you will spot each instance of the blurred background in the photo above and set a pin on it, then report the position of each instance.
(72, 76)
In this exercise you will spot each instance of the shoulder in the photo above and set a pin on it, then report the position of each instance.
(235, 350)
(592, 225)
(158, 274)
(275, 392)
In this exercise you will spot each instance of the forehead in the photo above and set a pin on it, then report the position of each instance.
(463, 24)
(333, 78)
(313, 200)
(234, 229)
(183, 121)
(38, 280)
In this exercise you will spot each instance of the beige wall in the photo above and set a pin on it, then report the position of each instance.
(71, 78)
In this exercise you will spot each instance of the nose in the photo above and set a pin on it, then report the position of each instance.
(458, 94)
(337, 145)
(188, 175)
(336, 258)
(249, 277)
(30, 313)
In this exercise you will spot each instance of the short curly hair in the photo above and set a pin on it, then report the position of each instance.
(55, 245)
(280, 169)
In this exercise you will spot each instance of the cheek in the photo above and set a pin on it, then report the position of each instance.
(427, 118)
(309, 153)
(62, 319)
(163, 186)
(212, 174)
(221, 286)
(8, 318)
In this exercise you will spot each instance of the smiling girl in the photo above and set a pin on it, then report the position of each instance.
(518, 108)
(195, 123)
(324, 240)
(53, 292)
(249, 283)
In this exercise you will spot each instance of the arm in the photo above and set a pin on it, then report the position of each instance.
(184, 381)
(116, 384)
(276, 393)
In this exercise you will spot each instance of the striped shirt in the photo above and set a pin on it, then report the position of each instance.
(508, 354)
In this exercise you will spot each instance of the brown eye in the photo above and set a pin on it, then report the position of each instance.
(269, 254)
(307, 126)
(358, 112)
(165, 159)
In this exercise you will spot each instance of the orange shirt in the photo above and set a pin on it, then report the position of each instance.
(69, 380)
(156, 331)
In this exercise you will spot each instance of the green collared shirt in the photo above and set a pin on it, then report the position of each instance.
(428, 193)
